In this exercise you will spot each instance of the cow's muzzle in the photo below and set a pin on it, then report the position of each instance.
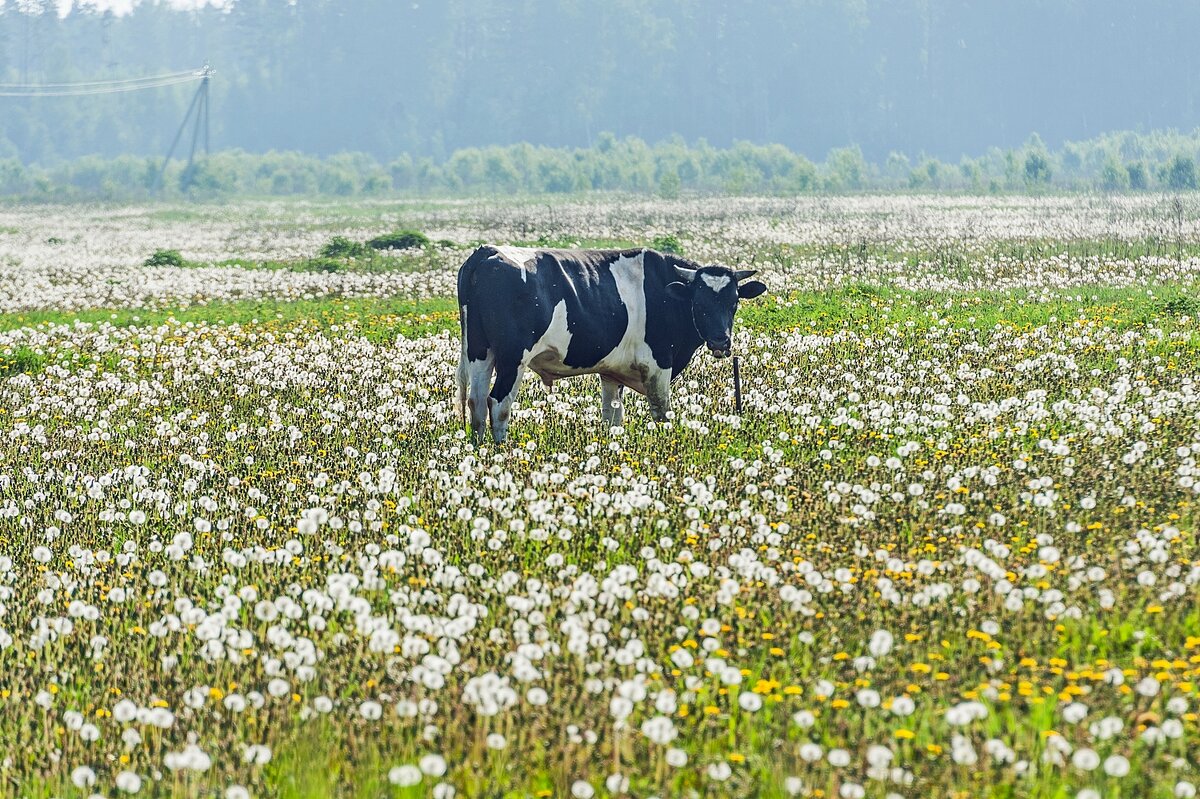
(723, 350)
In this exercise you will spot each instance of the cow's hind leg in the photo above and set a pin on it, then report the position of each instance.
(479, 377)
(612, 410)
(504, 392)
(658, 394)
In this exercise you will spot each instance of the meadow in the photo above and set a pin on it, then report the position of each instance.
(948, 549)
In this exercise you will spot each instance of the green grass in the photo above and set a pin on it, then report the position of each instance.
(876, 308)
(387, 317)
(565, 242)
(965, 253)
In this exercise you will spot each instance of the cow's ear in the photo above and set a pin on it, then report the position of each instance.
(679, 291)
(752, 289)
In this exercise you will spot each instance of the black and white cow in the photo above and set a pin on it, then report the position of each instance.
(634, 317)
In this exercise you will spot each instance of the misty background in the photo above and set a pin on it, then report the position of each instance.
(916, 93)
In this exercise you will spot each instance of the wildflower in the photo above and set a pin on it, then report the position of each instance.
(404, 776)
(750, 702)
(660, 730)
(83, 777)
(1085, 759)
(433, 765)
(128, 782)
(719, 771)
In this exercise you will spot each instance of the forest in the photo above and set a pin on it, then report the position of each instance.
(932, 79)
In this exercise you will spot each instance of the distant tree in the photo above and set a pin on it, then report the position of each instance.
(1180, 173)
(971, 174)
(499, 171)
(669, 184)
(897, 168)
(846, 167)
(1037, 169)
(1113, 175)
(402, 171)
(1139, 177)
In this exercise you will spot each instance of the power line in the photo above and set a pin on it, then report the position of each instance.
(105, 82)
(98, 87)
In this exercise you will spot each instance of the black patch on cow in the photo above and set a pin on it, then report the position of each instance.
(596, 316)
(670, 331)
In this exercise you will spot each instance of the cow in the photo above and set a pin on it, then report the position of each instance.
(635, 317)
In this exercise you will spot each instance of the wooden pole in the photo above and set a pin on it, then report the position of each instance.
(737, 384)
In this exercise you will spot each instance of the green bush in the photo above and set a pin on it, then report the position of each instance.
(342, 247)
(325, 265)
(1181, 306)
(400, 240)
(667, 243)
(165, 258)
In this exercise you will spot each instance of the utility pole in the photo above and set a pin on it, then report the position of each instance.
(200, 106)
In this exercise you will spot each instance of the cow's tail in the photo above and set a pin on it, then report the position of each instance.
(462, 375)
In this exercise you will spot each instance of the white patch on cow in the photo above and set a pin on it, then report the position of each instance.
(556, 339)
(629, 363)
(715, 282)
(632, 351)
(521, 256)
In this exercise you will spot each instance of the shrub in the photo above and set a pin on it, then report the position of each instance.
(342, 247)
(1181, 306)
(325, 264)
(400, 240)
(667, 243)
(165, 258)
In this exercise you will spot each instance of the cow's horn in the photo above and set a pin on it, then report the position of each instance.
(738, 277)
(685, 275)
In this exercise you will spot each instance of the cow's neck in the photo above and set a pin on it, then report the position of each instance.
(683, 356)
(685, 340)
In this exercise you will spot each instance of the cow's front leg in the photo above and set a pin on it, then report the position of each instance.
(611, 405)
(504, 392)
(658, 393)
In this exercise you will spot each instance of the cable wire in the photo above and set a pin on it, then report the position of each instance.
(85, 91)
(97, 83)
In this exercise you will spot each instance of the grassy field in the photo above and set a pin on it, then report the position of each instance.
(947, 550)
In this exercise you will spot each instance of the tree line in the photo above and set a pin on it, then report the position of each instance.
(1162, 161)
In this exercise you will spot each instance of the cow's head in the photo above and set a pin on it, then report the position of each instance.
(712, 292)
